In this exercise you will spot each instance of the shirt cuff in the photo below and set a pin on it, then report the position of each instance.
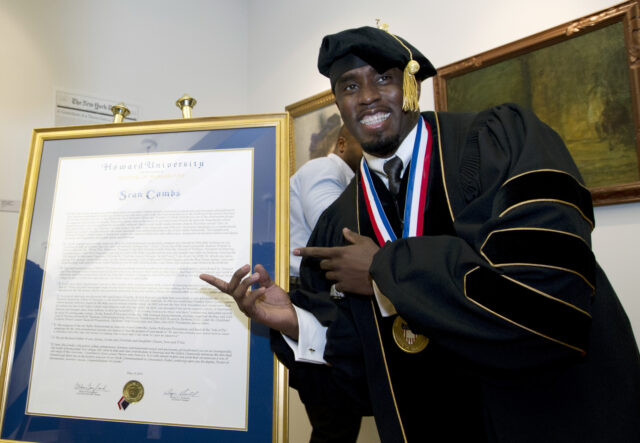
(312, 338)
(386, 307)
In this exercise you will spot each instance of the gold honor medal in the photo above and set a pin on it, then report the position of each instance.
(133, 391)
(406, 339)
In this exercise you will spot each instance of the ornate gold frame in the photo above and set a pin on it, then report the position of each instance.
(628, 13)
(300, 108)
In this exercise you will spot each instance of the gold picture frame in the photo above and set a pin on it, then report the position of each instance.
(582, 78)
(311, 118)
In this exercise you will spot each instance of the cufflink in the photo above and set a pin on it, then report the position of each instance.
(335, 294)
(312, 350)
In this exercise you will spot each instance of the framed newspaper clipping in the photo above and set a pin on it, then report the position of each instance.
(109, 334)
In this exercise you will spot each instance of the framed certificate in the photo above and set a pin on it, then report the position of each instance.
(109, 334)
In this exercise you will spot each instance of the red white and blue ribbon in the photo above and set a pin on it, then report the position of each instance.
(416, 190)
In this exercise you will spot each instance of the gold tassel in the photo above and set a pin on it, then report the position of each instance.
(409, 82)
(410, 87)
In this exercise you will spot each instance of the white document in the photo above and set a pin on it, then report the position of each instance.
(122, 304)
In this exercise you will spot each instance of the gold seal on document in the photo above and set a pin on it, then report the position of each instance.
(406, 339)
(133, 391)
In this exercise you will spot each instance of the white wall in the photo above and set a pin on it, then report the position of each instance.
(146, 52)
(245, 56)
(285, 35)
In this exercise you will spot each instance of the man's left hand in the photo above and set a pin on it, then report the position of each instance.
(347, 265)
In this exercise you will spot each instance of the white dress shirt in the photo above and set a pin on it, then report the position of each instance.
(317, 184)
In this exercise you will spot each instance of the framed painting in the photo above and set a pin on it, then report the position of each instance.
(109, 334)
(314, 129)
(582, 78)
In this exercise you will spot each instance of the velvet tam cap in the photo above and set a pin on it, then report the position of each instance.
(367, 45)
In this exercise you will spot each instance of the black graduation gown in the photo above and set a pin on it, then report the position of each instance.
(528, 341)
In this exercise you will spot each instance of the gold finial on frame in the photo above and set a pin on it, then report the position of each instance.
(119, 111)
(186, 104)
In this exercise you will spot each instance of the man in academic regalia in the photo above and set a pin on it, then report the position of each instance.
(451, 289)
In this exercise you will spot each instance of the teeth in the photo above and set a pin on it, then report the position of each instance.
(375, 118)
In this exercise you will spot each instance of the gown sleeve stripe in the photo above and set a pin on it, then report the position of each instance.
(545, 185)
(541, 247)
(528, 308)
(444, 178)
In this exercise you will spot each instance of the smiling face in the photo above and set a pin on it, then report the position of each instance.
(371, 107)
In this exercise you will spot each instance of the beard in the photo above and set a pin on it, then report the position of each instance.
(383, 147)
